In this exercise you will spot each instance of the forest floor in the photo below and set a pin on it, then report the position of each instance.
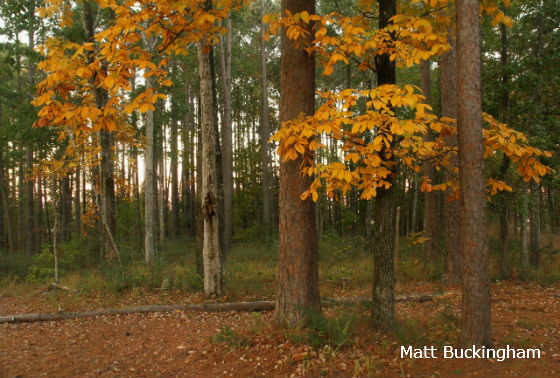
(248, 345)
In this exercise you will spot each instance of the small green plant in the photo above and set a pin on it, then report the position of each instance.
(409, 332)
(230, 337)
(334, 332)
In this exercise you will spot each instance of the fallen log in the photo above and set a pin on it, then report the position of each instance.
(202, 307)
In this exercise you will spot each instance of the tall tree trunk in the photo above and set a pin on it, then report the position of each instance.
(525, 229)
(265, 133)
(6, 215)
(451, 207)
(503, 199)
(227, 149)
(431, 214)
(106, 141)
(174, 169)
(77, 206)
(200, 220)
(534, 215)
(383, 303)
(414, 220)
(214, 284)
(149, 174)
(162, 190)
(298, 276)
(476, 329)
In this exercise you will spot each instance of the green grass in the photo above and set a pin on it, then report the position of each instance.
(250, 267)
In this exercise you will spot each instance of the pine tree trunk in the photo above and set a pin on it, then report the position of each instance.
(534, 215)
(298, 277)
(200, 220)
(108, 218)
(6, 215)
(149, 177)
(211, 252)
(524, 214)
(265, 133)
(476, 329)
(227, 153)
(77, 206)
(452, 207)
(431, 216)
(503, 199)
(174, 168)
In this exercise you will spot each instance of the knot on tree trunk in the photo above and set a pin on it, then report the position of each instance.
(209, 206)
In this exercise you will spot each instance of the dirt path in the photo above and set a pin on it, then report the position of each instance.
(184, 344)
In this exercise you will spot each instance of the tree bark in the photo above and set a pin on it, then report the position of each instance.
(431, 214)
(534, 214)
(6, 214)
(476, 328)
(265, 133)
(106, 142)
(203, 307)
(227, 149)
(524, 214)
(503, 199)
(174, 168)
(214, 284)
(77, 205)
(149, 176)
(383, 303)
(451, 207)
(298, 277)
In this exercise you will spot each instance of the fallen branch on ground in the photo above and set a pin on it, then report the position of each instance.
(203, 307)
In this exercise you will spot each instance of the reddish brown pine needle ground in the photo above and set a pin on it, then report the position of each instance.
(185, 344)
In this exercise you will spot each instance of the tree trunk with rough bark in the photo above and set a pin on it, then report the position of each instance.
(431, 214)
(534, 215)
(174, 169)
(4, 191)
(476, 328)
(504, 197)
(211, 253)
(265, 133)
(383, 303)
(105, 172)
(452, 206)
(297, 294)
(227, 149)
(149, 175)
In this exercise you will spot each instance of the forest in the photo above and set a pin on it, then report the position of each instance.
(232, 188)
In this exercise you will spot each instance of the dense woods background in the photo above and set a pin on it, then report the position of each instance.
(106, 185)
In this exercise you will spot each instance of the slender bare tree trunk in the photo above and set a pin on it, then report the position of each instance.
(414, 220)
(503, 199)
(6, 214)
(534, 214)
(174, 169)
(431, 214)
(30, 232)
(227, 149)
(524, 213)
(5, 203)
(149, 174)
(476, 328)
(77, 205)
(199, 216)
(265, 133)
(452, 207)
(162, 191)
(298, 276)
(214, 284)
(107, 196)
